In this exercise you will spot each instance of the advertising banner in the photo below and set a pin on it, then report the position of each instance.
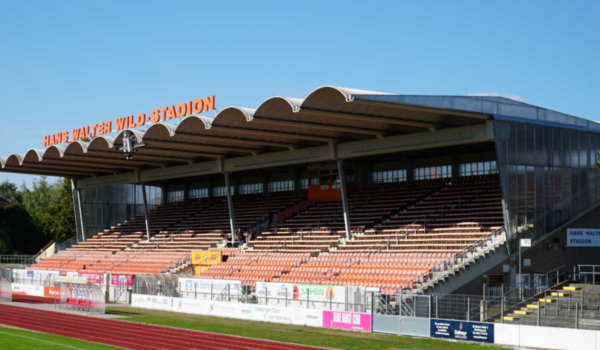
(51, 292)
(206, 257)
(69, 279)
(316, 292)
(351, 321)
(583, 237)
(27, 289)
(20, 274)
(196, 285)
(458, 330)
(121, 280)
(94, 278)
(276, 314)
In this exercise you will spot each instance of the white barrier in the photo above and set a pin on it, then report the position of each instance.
(253, 312)
(546, 337)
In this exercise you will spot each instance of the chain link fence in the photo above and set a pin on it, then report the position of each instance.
(5, 291)
(164, 284)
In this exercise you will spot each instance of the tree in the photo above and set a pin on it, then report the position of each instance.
(21, 236)
(58, 220)
(10, 192)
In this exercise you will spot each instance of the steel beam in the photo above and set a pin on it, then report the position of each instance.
(230, 207)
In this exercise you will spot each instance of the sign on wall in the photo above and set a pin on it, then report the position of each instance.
(206, 286)
(583, 237)
(459, 330)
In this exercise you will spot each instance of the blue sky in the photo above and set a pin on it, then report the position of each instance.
(68, 64)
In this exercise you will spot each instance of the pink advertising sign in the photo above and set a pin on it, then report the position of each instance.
(121, 280)
(347, 320)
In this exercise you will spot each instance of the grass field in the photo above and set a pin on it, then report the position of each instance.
(13, 339)
(291, 334)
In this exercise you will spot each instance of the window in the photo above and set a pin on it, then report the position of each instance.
(222, 191)
(314, 178)
(389, 176)
(304, 184)
(198, 193)
(174, 196)
(252, 188)
(325, 177)
(479, 168)
(280, 186)
(350, 177)
(434, 172)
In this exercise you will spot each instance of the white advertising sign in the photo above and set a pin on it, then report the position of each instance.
(312, 292)
(20, 274)
(583, 237)
(27, 289)
(68, 279)
(205, 286)
(277, 314)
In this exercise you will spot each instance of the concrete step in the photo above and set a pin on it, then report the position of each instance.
(547, 300)
(571, 288)
(511, 318)
(560, 294)
(535, 306)
(522, 312)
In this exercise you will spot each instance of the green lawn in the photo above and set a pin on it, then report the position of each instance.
(292, 334)
(13, 339)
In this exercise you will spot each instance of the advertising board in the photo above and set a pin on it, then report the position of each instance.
(94, 278)
(351, 321)
(51, 292)
(459, 330)
(206, 286)
(27, 289)
(21, 274)
(206, 257)
(121, 280)
(254, 312)
(317, 292)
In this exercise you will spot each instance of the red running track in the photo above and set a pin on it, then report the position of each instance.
(130, 335)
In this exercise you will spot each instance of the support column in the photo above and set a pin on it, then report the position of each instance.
(146, 212)
(80, 210)
(230, 206)
(342, 174)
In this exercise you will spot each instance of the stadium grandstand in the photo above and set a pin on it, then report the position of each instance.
(344, 188)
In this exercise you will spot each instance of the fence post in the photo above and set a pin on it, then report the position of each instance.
(372, 309)
(469, 309)
(539, 313)
(569, 307)
(437, 307)
(211, 292)
(581, 302)
(545, 302)
(576, 316)
(557, 303)
(307, 298)
(430, 305)
(286, 303)
(502, 310)
(594, 274)
(400, 306)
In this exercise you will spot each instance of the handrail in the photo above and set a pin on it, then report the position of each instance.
(450, 261)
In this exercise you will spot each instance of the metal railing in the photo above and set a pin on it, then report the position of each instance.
(17, 259)
(587, 273)
(460, 260)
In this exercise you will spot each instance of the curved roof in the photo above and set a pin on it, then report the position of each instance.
(327, 115)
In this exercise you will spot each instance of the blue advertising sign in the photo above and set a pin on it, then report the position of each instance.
(460, 330)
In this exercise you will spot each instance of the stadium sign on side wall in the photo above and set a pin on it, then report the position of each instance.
(156, 115)
(583, 237)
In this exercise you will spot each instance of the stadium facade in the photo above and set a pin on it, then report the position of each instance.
(335, 143)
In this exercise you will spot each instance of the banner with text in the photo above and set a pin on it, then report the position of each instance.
(351, 321)
(196, 285)
(316, 292)
(458, 330)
